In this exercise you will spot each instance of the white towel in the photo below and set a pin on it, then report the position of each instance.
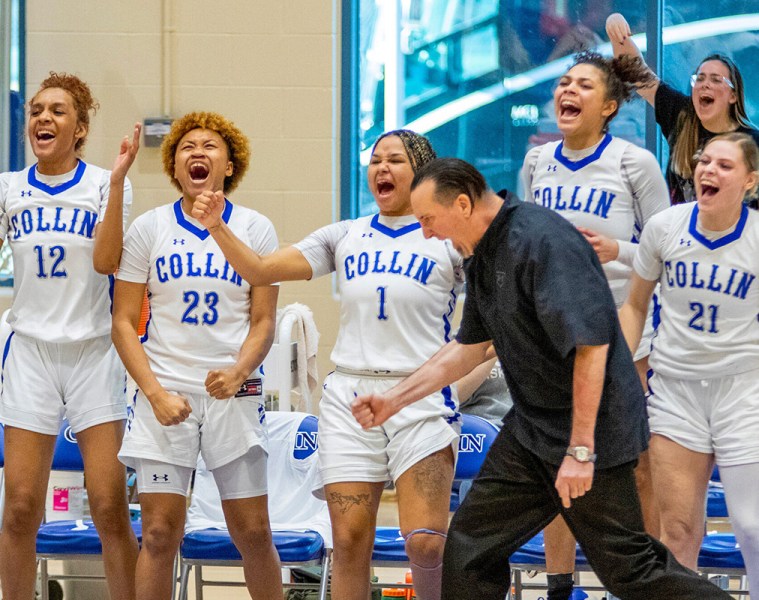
(307, 337)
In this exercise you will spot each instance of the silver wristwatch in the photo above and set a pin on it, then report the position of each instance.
(581, 454)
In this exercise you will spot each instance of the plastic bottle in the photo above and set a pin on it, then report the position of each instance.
(409, 591)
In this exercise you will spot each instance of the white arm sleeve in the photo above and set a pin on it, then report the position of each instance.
(642, 173)
(3, 198)
(319, 247)
(528, 169)
(648, 259)
(262, 237)
(135, 258)
(105, 191)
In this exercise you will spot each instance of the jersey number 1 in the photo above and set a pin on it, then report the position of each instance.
(382, 316)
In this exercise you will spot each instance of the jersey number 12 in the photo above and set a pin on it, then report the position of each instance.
(57, 254)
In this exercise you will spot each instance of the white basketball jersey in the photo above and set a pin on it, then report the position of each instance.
(49, 223)
(709, 294)
(199, 306)
(590, 192)
(397, 290)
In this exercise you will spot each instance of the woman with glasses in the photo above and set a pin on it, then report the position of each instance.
(716, 105)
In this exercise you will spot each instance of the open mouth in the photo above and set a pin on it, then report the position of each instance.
(569, 110)
(45, 136)
(384, 188)
(708, 190)
(198, 172)
(705, 100)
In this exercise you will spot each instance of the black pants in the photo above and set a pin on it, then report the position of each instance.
(514, 497)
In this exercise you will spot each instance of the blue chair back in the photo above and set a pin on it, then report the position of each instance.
(477, 435)
(306, 438)
(67, 456)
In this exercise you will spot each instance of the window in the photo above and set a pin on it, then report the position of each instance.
(11, 104)
(476, 76)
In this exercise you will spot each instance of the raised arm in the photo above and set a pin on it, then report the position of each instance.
(109, 233)
(287, 264)
(224, 383)
(632, 314)
(620, 36)
(450, 363)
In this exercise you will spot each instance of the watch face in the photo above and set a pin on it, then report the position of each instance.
(581, 453)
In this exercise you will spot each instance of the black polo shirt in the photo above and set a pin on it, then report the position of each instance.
(536, 288)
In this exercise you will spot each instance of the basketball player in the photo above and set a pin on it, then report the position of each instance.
(608, 188)
(198, 378)
(397, 293)
(704, 405)
(64, 220)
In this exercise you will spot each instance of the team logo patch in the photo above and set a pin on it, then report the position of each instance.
(160, 478)
(69, 435)
(500, 277)
(250, 387)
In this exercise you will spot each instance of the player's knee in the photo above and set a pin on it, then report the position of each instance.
(161, 537)
(111, 516)
(352, 541)
(424, 547)
(749, 530)
(22, 514)
(679, 530)
(250, 535)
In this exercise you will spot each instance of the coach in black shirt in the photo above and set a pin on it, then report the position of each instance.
(535, 289)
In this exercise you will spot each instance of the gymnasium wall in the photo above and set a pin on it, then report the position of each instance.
(268, 65)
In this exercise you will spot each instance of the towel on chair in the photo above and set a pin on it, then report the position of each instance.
(307, 337)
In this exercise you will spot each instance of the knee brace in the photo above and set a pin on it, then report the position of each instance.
(427, 580)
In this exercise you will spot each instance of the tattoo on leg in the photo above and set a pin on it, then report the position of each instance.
(430, 475)
(346, 501)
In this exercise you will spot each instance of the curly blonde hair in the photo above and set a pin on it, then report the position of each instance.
(238, 146)
(80, 93)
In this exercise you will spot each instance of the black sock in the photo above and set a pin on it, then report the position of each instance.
(560, 586)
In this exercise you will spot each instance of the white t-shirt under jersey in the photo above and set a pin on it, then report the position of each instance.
(199, 306)
(49, 222)
(397, 290)
(613, 188)
(709, 293)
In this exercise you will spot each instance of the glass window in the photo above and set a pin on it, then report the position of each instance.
(693, 31)
(12, 105)
(476, 76)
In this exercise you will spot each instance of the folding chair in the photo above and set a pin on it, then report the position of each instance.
(299, 521)
(69, 540)
(477, 435)
(720, 555)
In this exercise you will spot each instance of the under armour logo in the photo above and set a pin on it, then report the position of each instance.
(179, 242)
(157, 477)
(551, 168)
(684, 242)
(26, 193)
(367, 235)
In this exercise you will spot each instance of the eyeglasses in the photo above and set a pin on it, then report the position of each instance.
(702, 78)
